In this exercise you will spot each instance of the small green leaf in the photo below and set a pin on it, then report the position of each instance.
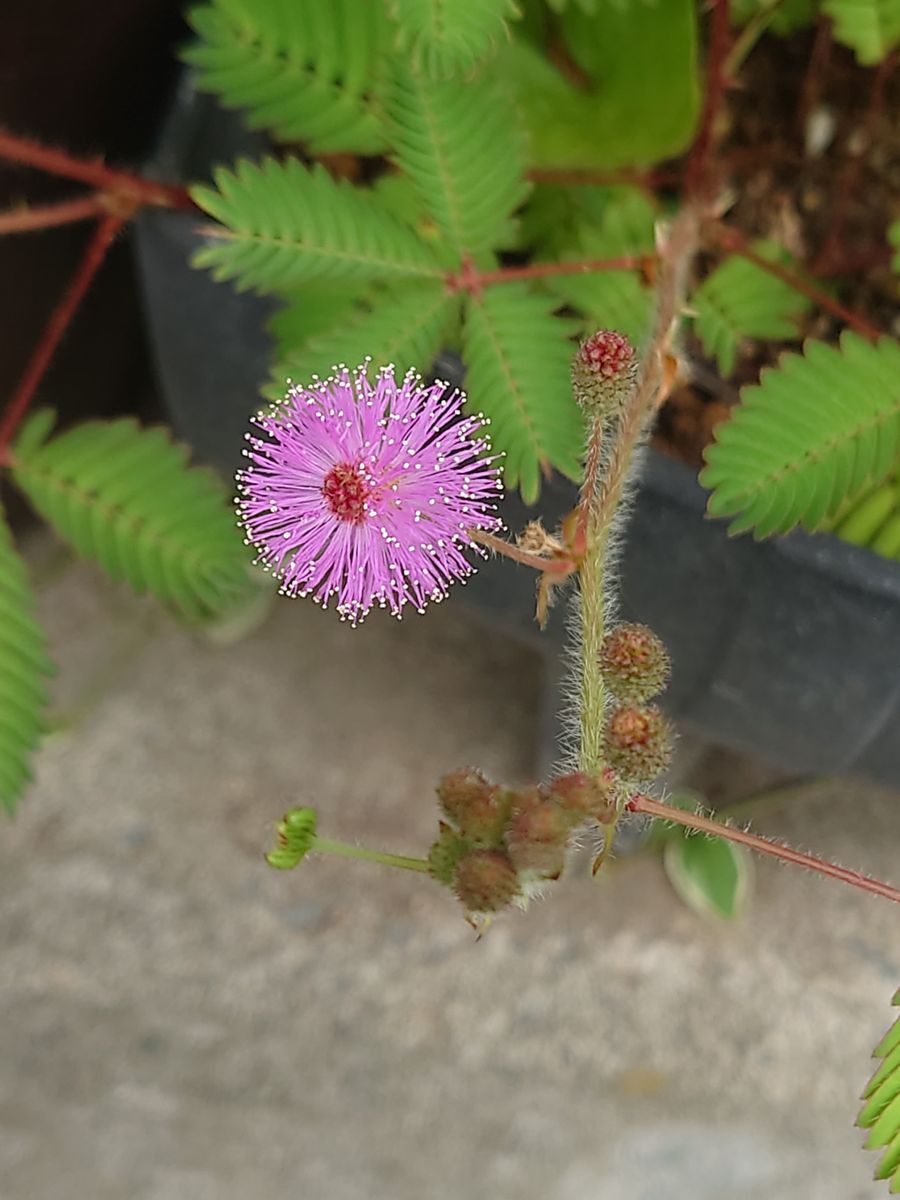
(24, 667)
(711, 875)
(871, 28)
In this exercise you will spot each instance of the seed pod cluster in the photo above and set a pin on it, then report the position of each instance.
(498, 845)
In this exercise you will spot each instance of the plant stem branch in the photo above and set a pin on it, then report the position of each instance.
(700, 181)
(592, 705)
(652, 808)
(345, 850)
(559, 566)
(730, 239)
(58, 162)
(749, 36)
(472, 280)
(45, 216)
(103, 237)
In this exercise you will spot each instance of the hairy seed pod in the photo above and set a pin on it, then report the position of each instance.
(634, 663)
(477, 808)
(296, 837)
(638, 741)
(586, 796)
(603, 371)
(537, 836)
(486, 881)
(445, 853)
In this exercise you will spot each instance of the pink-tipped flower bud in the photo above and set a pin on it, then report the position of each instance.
(603, 371)
(538, 833)
(477, 808)
(638, 741)
(444, 855)
(634, 663)
(486, 881)
(586, 796)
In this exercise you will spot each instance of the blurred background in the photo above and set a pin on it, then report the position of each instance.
(178, 1022)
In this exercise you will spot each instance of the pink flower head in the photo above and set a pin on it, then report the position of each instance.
(367, 492)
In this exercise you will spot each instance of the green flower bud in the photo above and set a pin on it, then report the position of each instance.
(634, 663)
(638, 741)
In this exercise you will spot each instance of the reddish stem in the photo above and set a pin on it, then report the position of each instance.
(700, 180)
(104, 234)
(24, 220)
(59, 162)
(730, 239)
(643, 804)
(471, 280)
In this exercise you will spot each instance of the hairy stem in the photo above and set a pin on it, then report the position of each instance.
(56, 326)
(643, 804)
(593, 616)
(345, 850)
(97, 174)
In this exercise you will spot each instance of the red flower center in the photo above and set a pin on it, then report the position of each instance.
(346, 492)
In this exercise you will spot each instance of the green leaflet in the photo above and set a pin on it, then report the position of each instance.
(643, 97)
(517, 357)
(311, 311)
(881, 1111)
(442, 38)
(740, 300)
(405, 327)
(24, 666)
(613, 222)
(461, 146)
(286, 225)
(871, 28)
(813, 431)
(306, 71)
(710, 874)
(125, 497)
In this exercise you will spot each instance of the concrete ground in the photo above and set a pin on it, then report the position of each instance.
(180, 1022)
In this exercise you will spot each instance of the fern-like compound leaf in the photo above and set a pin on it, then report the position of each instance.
(871, 28)
(405, 327)
(811, 433)
(305, 71)
(613, 222)
(445, 39)
(24, 666)
(881, 1111)
(125, 497)
(461, 145)
(740, 300)
(286, 224)
(517, 358)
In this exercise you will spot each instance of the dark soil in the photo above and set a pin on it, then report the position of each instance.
(810, 154)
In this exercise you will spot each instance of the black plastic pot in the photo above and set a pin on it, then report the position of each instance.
(789, 649)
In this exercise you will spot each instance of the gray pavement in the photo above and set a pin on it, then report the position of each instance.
(179, 1022)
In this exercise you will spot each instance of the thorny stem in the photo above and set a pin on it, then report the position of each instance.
(730, 239)
(103, 237)
(652, 808)
(96, 174)
(45, 216)
(345, 850)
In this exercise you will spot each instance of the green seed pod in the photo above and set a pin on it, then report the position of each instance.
(638, 742)
(634, 663)
(486, 881)
(861, 525)
(444, 855)
(296, 835)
